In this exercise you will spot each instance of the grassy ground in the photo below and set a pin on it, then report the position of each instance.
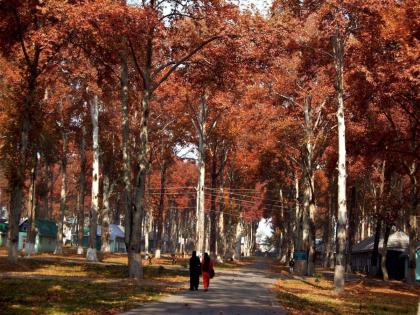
(35, 296)
(45, 284)
(363, 296)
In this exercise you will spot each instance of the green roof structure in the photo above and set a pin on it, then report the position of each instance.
(4, 227)
(46, 228)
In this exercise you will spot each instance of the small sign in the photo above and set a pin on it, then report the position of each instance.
(299, 255)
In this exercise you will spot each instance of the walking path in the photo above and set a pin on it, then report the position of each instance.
(243, 291)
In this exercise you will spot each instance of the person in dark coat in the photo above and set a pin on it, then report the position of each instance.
(195, 271)
(291, 265)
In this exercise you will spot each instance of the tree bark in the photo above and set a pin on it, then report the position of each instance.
(202, 135)
(351, 228)
(384, 251)
(159, 216)
(17, 172)
(213, 214)
(298, 216)
(135, 269)
(81, 193)
(412, 224)
(125, 151)
(14, 218)
(221, 240)
(327, 233)
(31, 231)
(91, 254)
(44, 197)
(309, 197)
(63, 195)
(107, 191)
(378, 210)
(305, 220)
(338, 45)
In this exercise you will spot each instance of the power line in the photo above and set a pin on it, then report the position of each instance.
(284, 209)
(172, 188)
(255, 197)
(237, 197)
(248, 201)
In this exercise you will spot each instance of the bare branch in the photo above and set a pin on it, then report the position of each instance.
(139, 69)
(184, 59)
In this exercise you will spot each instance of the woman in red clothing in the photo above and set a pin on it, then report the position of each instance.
(207, 271)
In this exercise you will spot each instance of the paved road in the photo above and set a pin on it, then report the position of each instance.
(244, 291)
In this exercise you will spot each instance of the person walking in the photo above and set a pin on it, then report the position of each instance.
(195, 271)
(207, 270)
(291, 265)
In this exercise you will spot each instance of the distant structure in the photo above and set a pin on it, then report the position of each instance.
(396, 258)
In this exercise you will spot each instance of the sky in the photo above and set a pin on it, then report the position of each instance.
(260, 5)
(264, 230)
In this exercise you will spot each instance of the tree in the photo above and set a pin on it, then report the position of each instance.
(30, 41)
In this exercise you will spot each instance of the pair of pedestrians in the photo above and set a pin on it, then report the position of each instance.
(197, 268)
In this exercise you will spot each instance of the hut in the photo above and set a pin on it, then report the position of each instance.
(46, 235)
(418, 264)
(3, 233)
(116, 238)
(397, 256)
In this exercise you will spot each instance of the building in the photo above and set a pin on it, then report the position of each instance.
(46, 235)
(397, 256)
(3, 233)
(116, 238)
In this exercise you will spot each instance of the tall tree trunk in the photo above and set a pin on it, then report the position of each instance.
(312, 234)
(285, 232)
(135, 269)
(51, 192)
(148, 217)
(125, 151)
(378, 210)
(200, 227)
(384, 251)
(108, 187)
(17, 171)
(310, 207)
(91, 254)
(298, 216)
(351, 228)
(221, 240)
(14, 217)
(107, 191)
(375, 252)
(31, 231)
(81, 193)
(159, 216)
(213, 214)
(17, 178)
(305, 222)
(63, 196)
(338, 44)
(412, 224)
(329, 260)
(327, 233)
(45, 208)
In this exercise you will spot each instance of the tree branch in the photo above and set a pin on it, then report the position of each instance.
(183, 59)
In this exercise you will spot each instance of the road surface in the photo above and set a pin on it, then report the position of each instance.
(244, 291)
